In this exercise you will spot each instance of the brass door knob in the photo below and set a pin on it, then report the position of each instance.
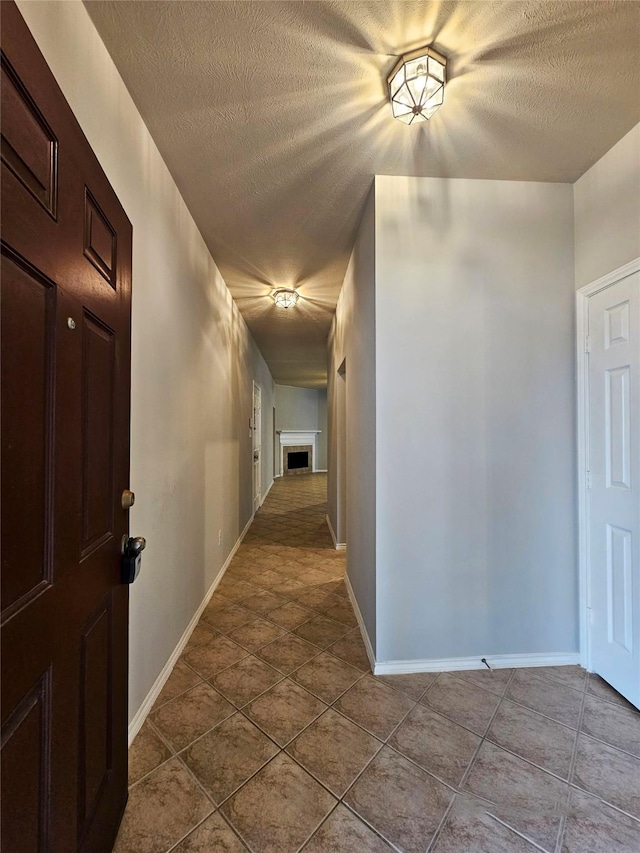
(128, 499)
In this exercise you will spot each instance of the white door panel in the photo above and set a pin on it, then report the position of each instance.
(614, 497)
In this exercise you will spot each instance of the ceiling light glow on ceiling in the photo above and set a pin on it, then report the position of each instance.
(416, 85)
(284, 297)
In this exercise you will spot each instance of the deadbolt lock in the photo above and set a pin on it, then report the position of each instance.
(128, 499)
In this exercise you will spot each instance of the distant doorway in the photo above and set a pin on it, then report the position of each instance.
(257, 447)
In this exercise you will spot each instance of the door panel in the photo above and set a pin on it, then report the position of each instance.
(26, 769)
(28, 306)
(66, 296)
(29, 147)
(614, 497)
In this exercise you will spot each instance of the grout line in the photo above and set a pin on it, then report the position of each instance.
(188, 833)
(633, 817)
(443, 820)
(572, 764)
(322, 822)
(370, 826)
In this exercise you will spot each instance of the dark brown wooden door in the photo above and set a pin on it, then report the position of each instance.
(66, 296)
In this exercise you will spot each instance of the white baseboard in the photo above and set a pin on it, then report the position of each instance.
(339, 546)
(264, 497)
(141, 714)
(363, 628)
(401, 667)
(320, 471)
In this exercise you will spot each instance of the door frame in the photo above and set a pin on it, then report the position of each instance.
(582, 378)
(256, 437)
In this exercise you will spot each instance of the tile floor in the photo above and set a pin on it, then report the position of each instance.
(271, 734)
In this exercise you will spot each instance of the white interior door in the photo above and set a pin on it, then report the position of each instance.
(613, 484)
(257, 447)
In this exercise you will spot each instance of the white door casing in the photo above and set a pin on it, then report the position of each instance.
(609, 416)
(257, 446)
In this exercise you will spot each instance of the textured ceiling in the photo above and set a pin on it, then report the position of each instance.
(273, 119)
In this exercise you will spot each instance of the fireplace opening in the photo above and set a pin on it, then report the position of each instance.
(298, 459)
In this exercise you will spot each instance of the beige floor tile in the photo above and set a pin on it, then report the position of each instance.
(334, 750)
(340, 609)
(214, 835)
(288, 653)
(201, 634)
(145, 753)
(608, 773)
(320, 631)
(327, 677)
(279, 807)
(599, 687)
(210, 658)
(473, 831)
(237, 590)
(315, 599)
(284, 711)
(435, 743)
(256, 634)
(570, 676)
(595, 827)
(538, 739)
(224, 758)
(225, 616)
(374, 706)
(412, 685)
(190, 715)
(182, 678)
(162, 808)
(290, 615)
(246, 680)
(293, 580)
(546, 696)
(350, 649)
(614, 724)
(263, 601)
(525, 797)
(268, 579)
(288, 587)
(462, 702)
(400, 801)
(494, 680)
(343, 832)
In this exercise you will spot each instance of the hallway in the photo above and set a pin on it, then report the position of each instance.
(272, 730)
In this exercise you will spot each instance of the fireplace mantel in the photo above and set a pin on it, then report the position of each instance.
(297, 437)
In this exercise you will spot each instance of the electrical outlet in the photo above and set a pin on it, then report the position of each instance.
(219, 537)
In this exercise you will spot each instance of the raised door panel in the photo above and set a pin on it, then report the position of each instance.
(96, 724)
(28, 315)
(26, 772)
(98, 368)
(29, 147)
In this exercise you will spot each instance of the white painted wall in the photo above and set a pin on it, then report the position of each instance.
(193, 358)
(352, 338)
(304, 408)
(476, 515)
(607, 211)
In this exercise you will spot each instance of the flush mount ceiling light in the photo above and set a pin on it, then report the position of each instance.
(416, 85)
(285, 297)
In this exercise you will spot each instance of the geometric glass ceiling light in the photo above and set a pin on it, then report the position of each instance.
(285, 297)
(416, 85)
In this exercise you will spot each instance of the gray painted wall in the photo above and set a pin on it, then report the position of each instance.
(476, 523)
(304, 408)
(353, 339)
(607, 211)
